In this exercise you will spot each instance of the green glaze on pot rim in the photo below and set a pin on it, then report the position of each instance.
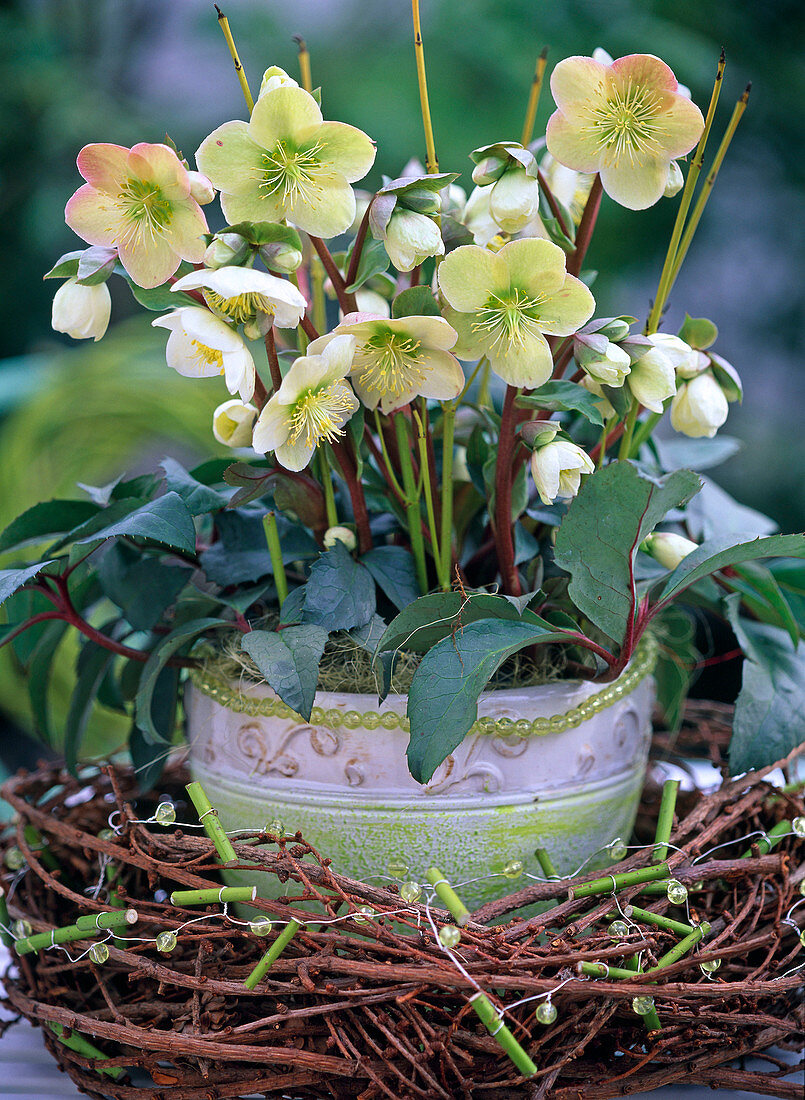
(642, 665)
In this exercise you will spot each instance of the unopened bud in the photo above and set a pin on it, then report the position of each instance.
(226, 250)
(668, 549)
(676, 180)
(421, 200)
(281, 256)
(340, 534)
(232, 423)
(201, 188)
(488, 170)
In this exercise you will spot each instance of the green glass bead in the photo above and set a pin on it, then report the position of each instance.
(798, 825)
(802, 939)
(21, 928)
(710, 966)
(546, 1013)
(165, 813)
(260, 926)
(802, 888)
(618, 929)
(166, 942)
(449, 936)
(513, 869)
(275, 828)
(398, 867)
(642, 1005)
(410, 892)
(389, 720)
(363, 914)
(98, 953)
(677, 893)
(15, 860)
(618, 849)
(107, 834)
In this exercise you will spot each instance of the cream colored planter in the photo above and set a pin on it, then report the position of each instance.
(559, 767)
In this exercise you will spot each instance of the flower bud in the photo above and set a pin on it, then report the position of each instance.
(604, 405)
(676, 181)
(226, 250)
(476, 216)
(421, 200)
(410, 238)
(686, 361)
(340, 534)
(615, 329)
(281, 256)
(699, 408)
(652, 379)
(275, 77)
(488, 170)
(82, 311)
(201, 189)
(232, 423)
(668, 549)
(557, 469)
(514, 200)
(602, 360)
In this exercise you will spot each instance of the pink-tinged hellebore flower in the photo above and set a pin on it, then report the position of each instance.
(668, 549)
(557, 467)
(700, 407)
(313, 404)
(138, 201)
(233, 422)
(286, 163)
(241, 294)
(626, 120)
(81, 311)
(202, 346)
(400, 359)
(503, 304)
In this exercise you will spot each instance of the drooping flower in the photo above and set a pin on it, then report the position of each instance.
(233, 422)
(313, 404)
(601, 359)
(476, 216)
(503, 304)
(700, 407)
(287, 163)
(275, 77)
(411, 238)
(626, 120)
(686, 361)
(667, 548)
(397, 360)
(557, 466)
(514, 200)
(200, 345)
(244, 294)
(81, 311)
(200, 188)
(652, 379)
(139, 201)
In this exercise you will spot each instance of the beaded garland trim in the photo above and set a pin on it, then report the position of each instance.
(641, 666)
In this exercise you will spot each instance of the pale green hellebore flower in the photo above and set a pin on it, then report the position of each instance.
(477, 218)
(200, 345)
(652, 379)
(686, 361)
(608, 367)
(411, 238)
(503, 304)
(286, 163)
(81, 311)
(233, 423)
(514, 200)
(313, 403)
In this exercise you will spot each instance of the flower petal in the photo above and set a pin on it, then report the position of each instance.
(444, 378)
(337, 358)
(643, 70)
(272, 428)
(567, 310)
(572, 145)
(104, 166)
(284, 113)
(231, 159)
(469, 346)
(159, 164)
(680, 127)
(636, 186)
(204, 326)
(294, 456)
(92, 214)
(432, 332)
(348, 150)
(578, 80)
(545, 472)
(334, 209)
(182, 355)
(148, 264)
(186, 230)
(536, 266)
(529, 364)
(239, 372)
(469, 274)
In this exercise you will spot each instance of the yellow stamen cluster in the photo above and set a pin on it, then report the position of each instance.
(316, 414)
(292, 174)
(509, 321)
(624, 124)
(390, 364)
(208, 355)
(241, 308)
(144, 210)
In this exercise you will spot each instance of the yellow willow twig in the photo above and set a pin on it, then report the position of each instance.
(230, 41)
(533, 97)
(304, 63)
(431, 160)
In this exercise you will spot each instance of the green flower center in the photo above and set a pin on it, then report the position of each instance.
(390, 363)
(241, 308)
(144, 210)
(510, 320)
(625, 123)
(292, 174)
(317, 414)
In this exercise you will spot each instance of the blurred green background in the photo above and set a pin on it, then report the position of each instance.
(78, 71)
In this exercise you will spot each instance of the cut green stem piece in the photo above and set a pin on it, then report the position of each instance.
(5, 920)
(652, 1021)
(275, 553)
(33, 838)
(615, 883)
(117, 901)
(485, 1011)
(209, 819)
(545, 863)
(447, 895)
(681, 949)
(667, 923)
(41, 940)
(604, 970)
(83, 1046)
(208, 897)
(771, 839)
(273, 953)
(94, 922)
(665, 820)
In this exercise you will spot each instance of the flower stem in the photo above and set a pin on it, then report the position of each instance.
(644, 430)
(357, 248)
(426, 484)
(223, 22)
(431, 160)
(326, 477)
(118, 918)
(552, 203)
(209, 819)
(665, 820)
(413, 514)
(448, 434)
(533, 97)
(304, 63)
(391, 477)
(490, 1018)
(345, 300)
(319, 301)
(356, 495)
(586, 228)
(545, 863)
(503, 496)
(628, 433)
(275, 553)
(663, 288)
(772, 837)
(273, 360)
(5, 921)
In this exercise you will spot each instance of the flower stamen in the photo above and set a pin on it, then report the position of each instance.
(241, 308)
(389, 364)
(207, 355)
(144, 211)
(293, 175)
(316, 414)
(624, 124)
(510, 321)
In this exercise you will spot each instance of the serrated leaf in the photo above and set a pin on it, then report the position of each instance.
(443, 698)
(563, 396)
(293, 606)
(11, 580)
(96, 264)
(415, 301)
(721, 552)
(394, 572)
(86, 531)
(50, 517)
(714, 512)
(289, 662)
(38, 676)
(764, 597)
(166, 520)
(614, 511)
(200, 499)
(340, 592)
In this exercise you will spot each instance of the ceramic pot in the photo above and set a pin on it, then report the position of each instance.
(558, 766)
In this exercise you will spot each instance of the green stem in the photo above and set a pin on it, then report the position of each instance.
(391, 477)
(319, 301)
(275, 553)
(411, 493)
(626, 438)
(5, 937)
(602, 444)
(41, 940)
(327, 485)
(644, 430)
(448, 435)
(659, 921)
(210, 896)
(772, 838)
(545, 863)
(304, 63)
(486, 1013)
(681, 949)
(533, 97)
(447, 895)
(431, 160)
(273, 953)
(34, 840)
(223, 22)
(209, 819)
(424, 464)
(665, 820)
(615, 883)
(119, 918)
(604, 970)
(83, 1046)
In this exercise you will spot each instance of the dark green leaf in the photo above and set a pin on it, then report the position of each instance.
(564, 397)
(148, 759)
(241, 555)
(431, 618)
(51, 517)
(721, 552)
(714, 512)
(87, 531)
(597, 542)
(340, 593)
(252, 482)
(764, 597)
(11, 580)
(92, 666)
(211, 472)
(38, 676)
(393, 570)
(374, 260)
(199, 498)
(289, 662)
(162, 297)
(143, 486)
(675, 659)
(416, 301)
(164, 520)
(293, 606)
(142, 587)
(66, 267)
(96, 264)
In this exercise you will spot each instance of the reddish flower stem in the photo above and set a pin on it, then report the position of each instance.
(347, 463)
(309, 328)
(273, 360)
(345, 299)
(586, 227)
(549, 195)
(357, 248)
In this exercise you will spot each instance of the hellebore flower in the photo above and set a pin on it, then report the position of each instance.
(313, 404)
(626, 120)
(652, 379)
(243, 294)
(476, 216)
(668, 549)
(514, 200)
(81, 311)
(201, 346)
(557, 467)
(232, 423)
(400, 359)
(138, 201)
(700, 407)
(410, 238)
(504, 303)
(603, 361)
(686, 361)
(287, 163)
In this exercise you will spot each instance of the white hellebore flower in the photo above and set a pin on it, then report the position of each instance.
(669, 549)
(699, 408)
(200, 345)
(241, 293)
(81, 311)
(514, 200)
(232, 423)
(410, 238)
(686, 361)
(608, 367)
(652, 379)
(557, 468)
(313, 404)
(477, 219)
